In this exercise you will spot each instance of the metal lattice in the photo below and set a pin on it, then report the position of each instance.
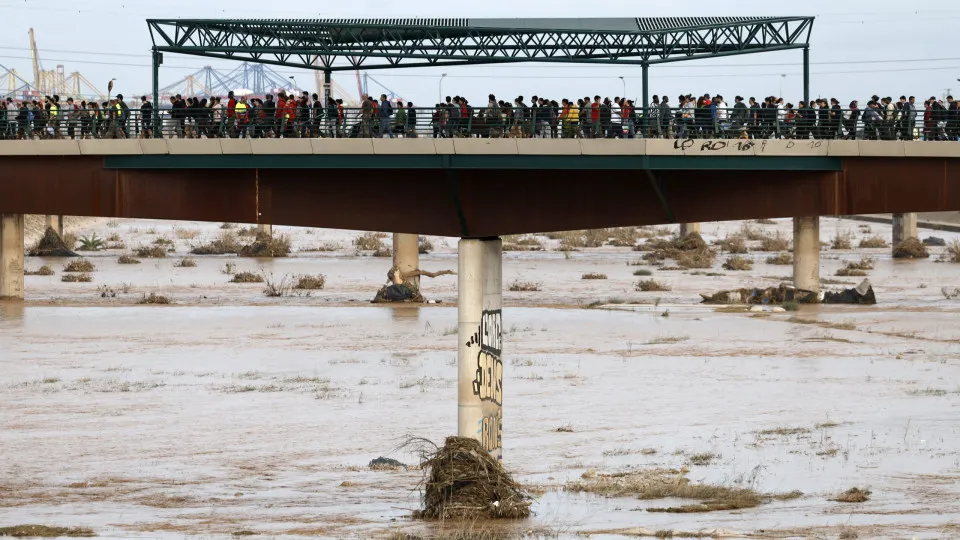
(344, 44)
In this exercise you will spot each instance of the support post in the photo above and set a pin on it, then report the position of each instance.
(55, 223)
(904, 226)
(806, 75)
(157, 125)
(326, 87)
(11, 256)
(687, 228)
(806, 253)
(406, 255)
(480, 354)
(265, 228)
(646, 99)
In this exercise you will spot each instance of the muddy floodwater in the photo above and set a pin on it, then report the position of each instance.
(228, 412)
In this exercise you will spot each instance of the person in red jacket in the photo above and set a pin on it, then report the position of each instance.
(595, 115)
(231, 114)
(289, 116)
(279, 124)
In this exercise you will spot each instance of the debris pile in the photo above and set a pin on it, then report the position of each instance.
(861, 294)
(689, 251)
(51, 245)
(266, 246)
(464, 482)
(402, 287)
(911, 248)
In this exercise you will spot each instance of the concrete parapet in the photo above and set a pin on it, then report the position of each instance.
(342, 146)
(39, 148)
(419, 146)
(110, 147)
(486, 146)
(788, 148)
(892, 149)
(931, 149)
(194, 146)
(236, 146)
(548, 147)
(613, 147)
(444, 146)
(154, 147)
(843, 148)
(281, 146)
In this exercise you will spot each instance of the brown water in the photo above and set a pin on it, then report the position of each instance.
(229, 411)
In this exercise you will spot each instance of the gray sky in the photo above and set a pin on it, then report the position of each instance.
(858, 48)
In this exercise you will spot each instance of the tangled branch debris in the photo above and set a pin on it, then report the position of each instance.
(464, 482)
(689, 251)
(51, 245)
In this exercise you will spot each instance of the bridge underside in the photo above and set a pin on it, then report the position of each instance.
(478, 202)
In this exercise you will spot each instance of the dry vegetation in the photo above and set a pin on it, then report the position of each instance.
(782, 259)
(154, 298)
(952, 253)
(525, 286)
(369, 241)
(276, 288)
(734, 243)
(267, 246)
(737, 262)
(425, 247)
(76, 278)
(911, 248)
(44, 531)
(307, 282)
(151, 252)
(593, 275)
(872, 242)
(185, 262)
(853, 495)
(777, 242)
(842, 240)
(128, 259)
(185, 234)
(669, 483)
(857, 268)
(688, 252)
(643, 272)
(652, 285)
(516, 242)
(79, 265)
(226, 242)
(42, 271)
(246, 277)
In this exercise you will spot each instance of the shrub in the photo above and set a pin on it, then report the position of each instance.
(781, 259)
(952, 253)
(154, 298)
(151, 252)
(308, 282)
(246, 277)
(752, 233)
(426, 246)
(80, 265)
(737, 262)
(774, 243)
(247, 231)
(91, 243)
(114, 237)
(842, 240)
(733, 244)
(865, 263)
(42, 271)
(850, 272)
(128, 259)
(267, 246)
(643, 272)
(384, 251)
(524, 286)
(70, 240)
(277, 287)
(593, 275)
(161, 241)
(185, 234)
(185, 262)
(226, 242)
(651, 285)
(872, 242)
(911, 248)
(76, 278)
(228, 226)
(369, 241)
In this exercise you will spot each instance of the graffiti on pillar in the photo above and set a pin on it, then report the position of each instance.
(488, 378)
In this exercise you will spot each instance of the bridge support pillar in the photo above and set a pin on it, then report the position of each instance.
(806, 253)
(55, 223)
(406, 255)
(265, 228)
(480, 354)
(904, 226)
(687, 228)
(11, 256)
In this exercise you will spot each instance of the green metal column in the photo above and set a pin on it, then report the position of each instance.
(806, 75)
(646, 99)
(157, 60)
(326, 87)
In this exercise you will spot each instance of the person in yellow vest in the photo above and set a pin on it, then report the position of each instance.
(54, 114)
(571, 117)
(241, 117)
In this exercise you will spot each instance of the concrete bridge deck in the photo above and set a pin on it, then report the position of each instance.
(475, 187)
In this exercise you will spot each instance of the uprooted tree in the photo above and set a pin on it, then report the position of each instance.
(402, 286)
(51, 245)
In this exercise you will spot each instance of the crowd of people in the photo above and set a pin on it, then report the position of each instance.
(309, 115)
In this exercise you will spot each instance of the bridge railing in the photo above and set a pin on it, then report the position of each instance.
(544, 122)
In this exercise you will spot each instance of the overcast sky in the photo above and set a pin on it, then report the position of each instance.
(858, 48)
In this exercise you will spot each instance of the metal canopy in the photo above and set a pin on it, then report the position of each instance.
(396, 43)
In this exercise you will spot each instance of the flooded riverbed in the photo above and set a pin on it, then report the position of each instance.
(229, 412)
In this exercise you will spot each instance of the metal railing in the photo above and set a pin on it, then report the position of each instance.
(514, 122)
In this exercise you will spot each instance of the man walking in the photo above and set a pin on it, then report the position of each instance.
(385, 112)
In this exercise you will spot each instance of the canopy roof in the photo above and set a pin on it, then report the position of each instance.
(396, 43)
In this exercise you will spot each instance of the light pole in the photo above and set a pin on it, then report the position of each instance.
(440, 88)
(624, 81)
(782, 77)
(295, 85)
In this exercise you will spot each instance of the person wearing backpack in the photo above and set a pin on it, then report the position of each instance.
(384, 113)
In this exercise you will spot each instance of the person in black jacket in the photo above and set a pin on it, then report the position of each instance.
(411, 127)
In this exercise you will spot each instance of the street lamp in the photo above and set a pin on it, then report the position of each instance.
(295, 85)
(624, 87)
(782, 77)
(440, 88)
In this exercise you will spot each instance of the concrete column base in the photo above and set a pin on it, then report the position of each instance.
(11, 256)
(687, 228)
(904, 227)
(265, 228)
(806, 253)
(55, 223)
(480, 354)
(406, 255)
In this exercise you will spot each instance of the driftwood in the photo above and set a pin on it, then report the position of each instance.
(395, 276)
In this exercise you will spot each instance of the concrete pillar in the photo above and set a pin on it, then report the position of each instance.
(687, 228)
(11, 256)
(265, 228)
(904, 226)
(480, 354)
(56, 223)
(806, 253)
(406, 254)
